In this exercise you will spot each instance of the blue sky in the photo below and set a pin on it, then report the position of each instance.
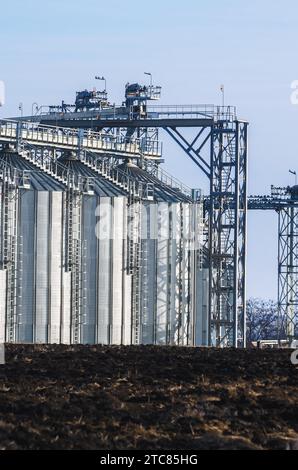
(50, 49)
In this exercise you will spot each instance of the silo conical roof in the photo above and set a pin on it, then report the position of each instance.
(162, 191)
(39, 180)
(102, 187)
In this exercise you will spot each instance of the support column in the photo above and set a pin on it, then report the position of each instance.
(288, 272)
(227, 234)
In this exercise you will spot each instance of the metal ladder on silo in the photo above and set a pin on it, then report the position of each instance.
(73, 258)
(130, 240)
(144, 281)
(84, 284)
(134, 265)
(10, 256)
(179, 279)
(76, 269)
(184, 312)
(19, 293)
(11, 296)
(69, 230)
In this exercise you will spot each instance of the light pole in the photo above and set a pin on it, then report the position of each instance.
(21, 109)
(36, 108)
(293, 172)
(102, 78)
(222, 89)
(150, 75)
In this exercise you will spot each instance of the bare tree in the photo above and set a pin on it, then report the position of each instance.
(262, 319)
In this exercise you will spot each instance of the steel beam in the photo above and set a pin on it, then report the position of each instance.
(189, 148)
(125, 123)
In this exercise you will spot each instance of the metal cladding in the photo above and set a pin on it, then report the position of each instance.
(97, 265)
(165, 304)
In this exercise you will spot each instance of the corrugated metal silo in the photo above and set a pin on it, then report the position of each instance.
(106, 284)
(100, 265)
(33, 290)
(169, 264)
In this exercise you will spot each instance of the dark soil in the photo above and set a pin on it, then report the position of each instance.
(147, 397)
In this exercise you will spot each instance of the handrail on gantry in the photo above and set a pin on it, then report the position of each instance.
(171, 181)
(270, 202)
(181, 111)
(114, 174)
(14, 176)
(53, 136)
(58, 171)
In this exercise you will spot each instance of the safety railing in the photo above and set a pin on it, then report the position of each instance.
(192, 111)
(70, 138)
(171, 181)
(14, 176)
(115, 175)
(56, 170)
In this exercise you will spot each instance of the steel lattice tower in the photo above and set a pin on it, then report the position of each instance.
(227, 234)
(288, 271)
(285, 202)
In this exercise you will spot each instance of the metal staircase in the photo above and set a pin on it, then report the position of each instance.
(105, 168)
(119, 178)
(50, 166)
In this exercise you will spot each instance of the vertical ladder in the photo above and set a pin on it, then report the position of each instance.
(9, 254)
(134, 265)
(74, 259)
(77, 269)
(144, 281)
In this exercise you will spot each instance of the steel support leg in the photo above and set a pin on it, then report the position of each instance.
(227, 234)
(288, 272)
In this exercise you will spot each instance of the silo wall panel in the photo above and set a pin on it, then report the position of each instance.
(199, 280)
(117, 284)
(175, 273)
(27, 228)
(195, 246)
(55, 287)
(185, 295)
(150, 235)
(66, 308)
(202, 301)
(3, 277)
(162, 274)
(148, 329)
(127, 302)
(42, 267)
(104, 273)
(89, 264)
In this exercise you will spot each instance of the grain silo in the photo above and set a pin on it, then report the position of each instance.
(106, 283)
(164, 306)
(88, 258)
(31, 255)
